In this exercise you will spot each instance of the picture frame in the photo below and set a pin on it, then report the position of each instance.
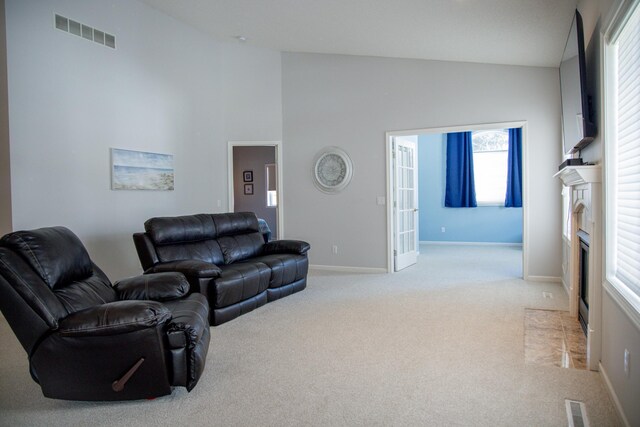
(247, 176)
(140, 170)
(248, 189)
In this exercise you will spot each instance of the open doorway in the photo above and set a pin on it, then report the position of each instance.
(432, 142)
(255, 181)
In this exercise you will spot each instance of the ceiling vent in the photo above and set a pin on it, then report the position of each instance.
(86, 32)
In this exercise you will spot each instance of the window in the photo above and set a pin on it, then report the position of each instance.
(490, 163)
(622, 142)
(272, 193)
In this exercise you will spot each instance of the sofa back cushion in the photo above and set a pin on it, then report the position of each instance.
(185, 237)
(206, 250)
(180, 229)
(241, 246)
(238, 235)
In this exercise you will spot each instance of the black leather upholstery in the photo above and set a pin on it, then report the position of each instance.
(156, 287)
(224, 257)
(82, 335)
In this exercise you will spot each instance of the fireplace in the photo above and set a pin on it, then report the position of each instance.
(582, 260)
(583, 279)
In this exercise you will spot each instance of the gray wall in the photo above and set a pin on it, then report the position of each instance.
(254, 159)
(352, 101)
(166, 88)
(5, 164)
(619, 332)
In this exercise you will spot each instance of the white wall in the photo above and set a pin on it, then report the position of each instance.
(5, 164)
(167, 88)
(619, 332)
(351, 101)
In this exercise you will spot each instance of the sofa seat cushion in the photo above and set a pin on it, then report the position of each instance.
(240, 281)
(285, 268)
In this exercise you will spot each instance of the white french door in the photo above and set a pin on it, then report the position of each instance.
(405, 202)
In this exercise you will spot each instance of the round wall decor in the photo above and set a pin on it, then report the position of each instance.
(332, 170)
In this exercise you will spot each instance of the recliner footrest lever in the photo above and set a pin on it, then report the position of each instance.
(118, 385)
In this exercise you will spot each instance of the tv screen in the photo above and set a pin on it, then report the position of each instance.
(577, 128)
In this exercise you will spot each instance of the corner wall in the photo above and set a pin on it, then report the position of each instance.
(351, 101)
(5, 164)
(166, 88)
(619, 331)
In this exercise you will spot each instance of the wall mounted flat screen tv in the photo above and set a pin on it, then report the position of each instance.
(578, 129)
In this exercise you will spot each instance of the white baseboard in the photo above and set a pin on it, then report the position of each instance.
(437, 243)
(566, 287)
(613, 394)
(546, 279)
(345, 269)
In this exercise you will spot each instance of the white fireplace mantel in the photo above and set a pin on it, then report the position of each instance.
(585, 201)
(576, 175)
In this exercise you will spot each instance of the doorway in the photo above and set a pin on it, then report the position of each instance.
(255, 181)
(392, 183)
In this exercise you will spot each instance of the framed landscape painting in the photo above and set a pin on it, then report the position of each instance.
(138, 170)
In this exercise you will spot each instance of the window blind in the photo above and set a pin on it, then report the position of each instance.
(627, 162)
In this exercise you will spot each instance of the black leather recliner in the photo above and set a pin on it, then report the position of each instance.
(89, 340)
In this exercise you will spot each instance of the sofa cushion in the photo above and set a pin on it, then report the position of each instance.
(285, 268)
(236, 223)
(240, 281)
(180, 229)
(206, 250)
(239, 247)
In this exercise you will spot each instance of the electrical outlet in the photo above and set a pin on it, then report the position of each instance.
(442, 229)
(626, 362)
(334, 249)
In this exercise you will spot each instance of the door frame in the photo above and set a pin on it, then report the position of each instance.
(461, 128)
(279, 176)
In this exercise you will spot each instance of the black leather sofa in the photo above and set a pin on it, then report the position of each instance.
(224, 257)
(89, 340)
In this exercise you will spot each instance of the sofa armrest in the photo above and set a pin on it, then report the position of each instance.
(156, 287)
(189, 267)
(286, 247)
(114, 318)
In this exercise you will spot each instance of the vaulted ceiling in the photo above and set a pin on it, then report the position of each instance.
(517, 32)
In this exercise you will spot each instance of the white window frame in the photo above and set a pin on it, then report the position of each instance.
(623, 295)
(497, 202)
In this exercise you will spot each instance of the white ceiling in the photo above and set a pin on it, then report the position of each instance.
(518, 32)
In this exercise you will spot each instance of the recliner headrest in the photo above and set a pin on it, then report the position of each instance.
(55, 253)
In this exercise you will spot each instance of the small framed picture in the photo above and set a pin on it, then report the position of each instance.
(248, 189)
(247, 177)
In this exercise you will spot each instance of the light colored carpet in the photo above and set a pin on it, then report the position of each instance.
(438, 344)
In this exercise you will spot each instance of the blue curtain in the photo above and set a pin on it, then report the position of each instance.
(460, 188)
(514, 172)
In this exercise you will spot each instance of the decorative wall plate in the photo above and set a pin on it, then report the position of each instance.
(332, 170)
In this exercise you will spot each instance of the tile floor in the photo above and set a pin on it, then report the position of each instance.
(553, 338)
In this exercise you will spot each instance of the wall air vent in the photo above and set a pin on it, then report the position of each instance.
(86, 32)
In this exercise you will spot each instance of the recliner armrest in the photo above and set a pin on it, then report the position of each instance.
(189, 267)
(156, 287)
(114, 318)
(286, 247)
